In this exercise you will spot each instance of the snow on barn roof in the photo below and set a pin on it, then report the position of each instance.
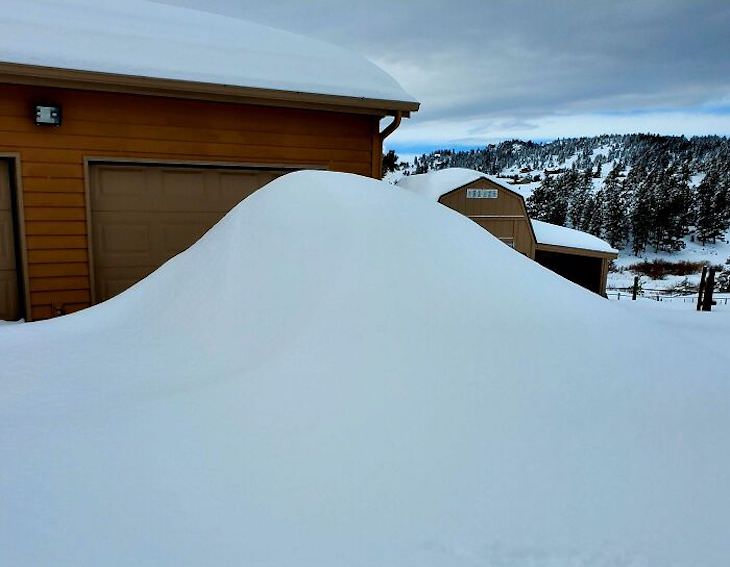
(555, 235)
(342, 374)
(435, 184)
(147, 39)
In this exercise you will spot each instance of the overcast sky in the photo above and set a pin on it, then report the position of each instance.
(487, 70)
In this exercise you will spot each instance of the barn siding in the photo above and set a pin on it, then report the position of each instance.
(96, 124)
(505, 217)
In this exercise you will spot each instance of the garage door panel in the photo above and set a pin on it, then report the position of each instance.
(9, 300)
(116, 280)
(9, 288)
(134, 235)
(184, 190)
(7, 241)
(177, 234)
(235, 188)
(119, 189)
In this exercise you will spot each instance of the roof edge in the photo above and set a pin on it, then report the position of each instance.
(575, 250)
(18, 73)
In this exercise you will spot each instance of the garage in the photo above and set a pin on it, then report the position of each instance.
(584, 270)
(9, 284)
(142, 215)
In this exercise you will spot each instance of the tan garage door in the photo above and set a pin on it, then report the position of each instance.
(9, 294)
(144, 215)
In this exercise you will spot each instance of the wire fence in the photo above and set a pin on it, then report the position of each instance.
(621, 294)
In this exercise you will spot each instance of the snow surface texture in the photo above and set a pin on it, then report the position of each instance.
(342, 374)
(556, 235)
(149, 39)
(437, 183)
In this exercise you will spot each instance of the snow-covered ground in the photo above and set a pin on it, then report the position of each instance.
(343, 374)
(713, 254)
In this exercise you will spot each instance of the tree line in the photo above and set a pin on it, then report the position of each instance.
(646, 201)
(649, 207)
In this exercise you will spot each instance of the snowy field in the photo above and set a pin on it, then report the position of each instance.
(342, 374)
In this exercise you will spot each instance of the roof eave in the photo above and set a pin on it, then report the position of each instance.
(16, 73)
(576, 250)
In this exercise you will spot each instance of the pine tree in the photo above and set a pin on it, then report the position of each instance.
(598, 172)
(643, 215)
(615, 213)
(539, 202)
(709, 222)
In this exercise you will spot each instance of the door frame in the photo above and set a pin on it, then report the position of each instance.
(90, 161)
(15, 179)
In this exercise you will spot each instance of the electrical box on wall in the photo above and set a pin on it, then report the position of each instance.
(48, 115)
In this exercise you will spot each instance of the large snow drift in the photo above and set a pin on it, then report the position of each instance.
(150, 39)
(343, 374)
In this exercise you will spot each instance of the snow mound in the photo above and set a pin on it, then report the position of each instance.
(149, 39)
(555, 235)
(342, 374)
(435, 184)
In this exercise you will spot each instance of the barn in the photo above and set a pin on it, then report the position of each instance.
(127, 131)
(486, 200)
(577, 256)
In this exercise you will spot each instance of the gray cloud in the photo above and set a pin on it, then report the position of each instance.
(512, 61)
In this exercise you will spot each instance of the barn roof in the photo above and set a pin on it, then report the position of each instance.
(435, 184)
(143, 39)
(554, 235)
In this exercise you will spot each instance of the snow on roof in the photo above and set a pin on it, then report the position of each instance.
(149, 39)
(555, 235)
(435, 184)
(342, 374)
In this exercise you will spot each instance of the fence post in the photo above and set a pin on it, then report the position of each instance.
(707, 302)
(636, 288)
(701, 289)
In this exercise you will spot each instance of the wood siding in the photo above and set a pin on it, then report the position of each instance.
(505, 217)
(52, 161)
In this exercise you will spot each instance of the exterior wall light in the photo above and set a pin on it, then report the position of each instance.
(47, 115)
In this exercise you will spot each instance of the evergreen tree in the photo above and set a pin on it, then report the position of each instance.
(615, 212)
(643, 214)
(390, 162)
(713, 208)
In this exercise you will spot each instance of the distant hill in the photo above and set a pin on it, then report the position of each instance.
(641, 192)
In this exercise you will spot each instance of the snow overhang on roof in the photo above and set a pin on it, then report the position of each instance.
(554, 235)
(435, 184)
(169, 48)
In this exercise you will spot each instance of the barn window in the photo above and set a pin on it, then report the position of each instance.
(481, 194)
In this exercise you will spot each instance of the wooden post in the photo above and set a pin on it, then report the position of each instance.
(636, 288)
(707, 302)
(702, 288)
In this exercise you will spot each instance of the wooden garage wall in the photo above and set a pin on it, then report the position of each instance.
(504, 217)
(111, 125)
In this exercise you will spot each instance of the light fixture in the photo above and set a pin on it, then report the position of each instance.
(48, 115)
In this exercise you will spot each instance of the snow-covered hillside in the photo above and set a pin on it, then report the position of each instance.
(343, 374)
(652, 197)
